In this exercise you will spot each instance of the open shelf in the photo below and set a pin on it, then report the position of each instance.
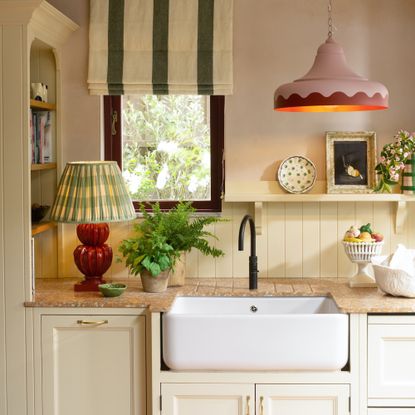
(44, 166)
(318, 197)
(39, 105)
(270, 191)
(41, 227)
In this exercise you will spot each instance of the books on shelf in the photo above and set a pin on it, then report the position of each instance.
(41, 136)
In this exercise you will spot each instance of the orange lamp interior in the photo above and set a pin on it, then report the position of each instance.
(331, 108)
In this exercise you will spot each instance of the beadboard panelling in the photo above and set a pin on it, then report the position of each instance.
(345, 217)
(225, 235)
(383, 222)
(298, 240)
(275, 221)
(206, 266)
(294, 240)
(262, 247)
(329, 239)
(311, 239)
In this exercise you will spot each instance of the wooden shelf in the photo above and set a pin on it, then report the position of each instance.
(265, 191)
(318, 197)
(44, 166)
(39, 105)
(41, 227)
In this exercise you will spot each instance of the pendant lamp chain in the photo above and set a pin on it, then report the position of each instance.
(330, 20)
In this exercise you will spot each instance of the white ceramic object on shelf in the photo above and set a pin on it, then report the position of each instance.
(361, 253)
(297, 174)
(393, 281)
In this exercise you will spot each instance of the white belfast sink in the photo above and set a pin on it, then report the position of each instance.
(226, 333)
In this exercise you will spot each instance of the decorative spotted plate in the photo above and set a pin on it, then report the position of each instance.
(297, 174)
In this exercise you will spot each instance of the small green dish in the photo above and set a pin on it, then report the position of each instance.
(112, 290)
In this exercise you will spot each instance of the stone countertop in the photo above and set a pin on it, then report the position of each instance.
(59, 293)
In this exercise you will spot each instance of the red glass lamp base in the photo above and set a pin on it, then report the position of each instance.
(94, 257)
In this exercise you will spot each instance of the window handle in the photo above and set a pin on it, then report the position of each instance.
(114, 120)
(248, 398)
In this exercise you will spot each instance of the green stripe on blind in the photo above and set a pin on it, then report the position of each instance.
(160, 47)
(115, 47)
(205, 47)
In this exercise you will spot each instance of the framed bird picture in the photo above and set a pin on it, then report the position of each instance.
(351, 161)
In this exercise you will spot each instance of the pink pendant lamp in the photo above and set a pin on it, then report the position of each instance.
(330, 85)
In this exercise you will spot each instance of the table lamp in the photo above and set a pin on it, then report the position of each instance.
(91, 194)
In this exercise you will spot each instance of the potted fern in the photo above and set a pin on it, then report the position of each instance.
(161, 241)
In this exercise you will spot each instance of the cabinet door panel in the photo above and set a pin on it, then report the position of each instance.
(207, 399)
(391, 364)
(93, 369)
(302, 399)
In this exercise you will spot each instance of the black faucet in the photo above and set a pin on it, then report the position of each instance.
(253, 259)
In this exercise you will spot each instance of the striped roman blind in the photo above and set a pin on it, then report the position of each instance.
(160, 47)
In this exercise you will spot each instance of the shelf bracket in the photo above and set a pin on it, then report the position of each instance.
(400, 218)
(259, 217)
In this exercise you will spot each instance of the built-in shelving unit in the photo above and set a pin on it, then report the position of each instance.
(41, 227)
(43, 69)
(46, 33)
(269, 192)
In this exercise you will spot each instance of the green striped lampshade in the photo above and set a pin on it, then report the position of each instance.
(92, 192)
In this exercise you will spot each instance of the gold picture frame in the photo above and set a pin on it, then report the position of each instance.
(351, 161)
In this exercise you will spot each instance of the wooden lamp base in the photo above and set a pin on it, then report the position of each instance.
(94, 256)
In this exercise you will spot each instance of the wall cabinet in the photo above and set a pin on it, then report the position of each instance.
(391, 361)
(246, 399)
(92, 365)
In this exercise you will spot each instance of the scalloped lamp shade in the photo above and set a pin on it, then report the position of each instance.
(92, 193)
(331, 86)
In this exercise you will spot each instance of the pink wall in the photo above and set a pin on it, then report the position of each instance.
(81, 113)
(274, 42)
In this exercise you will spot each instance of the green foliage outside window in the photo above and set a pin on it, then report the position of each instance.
(166, 147)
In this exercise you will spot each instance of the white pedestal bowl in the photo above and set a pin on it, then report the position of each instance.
(361, 253)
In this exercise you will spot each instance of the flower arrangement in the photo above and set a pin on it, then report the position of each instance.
(392, 160)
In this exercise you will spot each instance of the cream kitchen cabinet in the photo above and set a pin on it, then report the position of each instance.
(241, 399)
(391, 361)
(207, 399)
(299, 399)
(91, 364)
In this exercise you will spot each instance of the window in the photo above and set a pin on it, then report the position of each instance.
(168, 147)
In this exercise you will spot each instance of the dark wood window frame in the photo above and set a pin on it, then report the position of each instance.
(113, 150)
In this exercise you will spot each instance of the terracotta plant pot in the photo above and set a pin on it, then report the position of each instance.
(154, 284)
(177, 277)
